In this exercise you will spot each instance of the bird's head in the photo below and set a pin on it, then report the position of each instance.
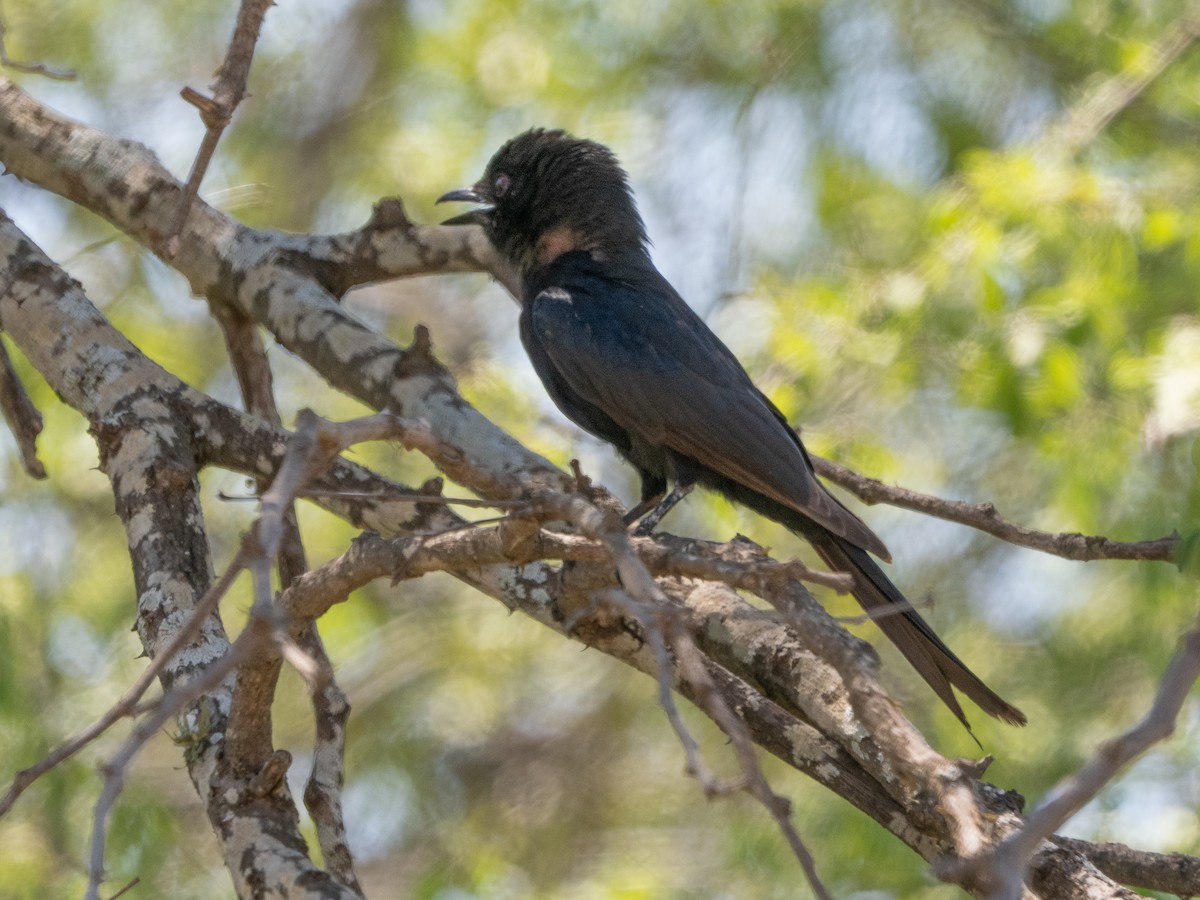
(547, 193)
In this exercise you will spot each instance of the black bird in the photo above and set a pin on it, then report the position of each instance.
(623, 356)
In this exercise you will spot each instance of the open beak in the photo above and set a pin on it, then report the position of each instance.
(467, 195)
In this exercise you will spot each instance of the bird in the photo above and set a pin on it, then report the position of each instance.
(625, 358)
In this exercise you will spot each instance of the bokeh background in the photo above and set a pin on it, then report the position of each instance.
(912, 219)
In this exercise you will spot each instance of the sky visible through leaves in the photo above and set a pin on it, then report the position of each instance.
(897, 216)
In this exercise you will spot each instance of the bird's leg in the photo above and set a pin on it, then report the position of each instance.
(654, 485)
(643, 507)
(650, 522)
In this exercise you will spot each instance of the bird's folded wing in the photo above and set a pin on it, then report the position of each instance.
(672, 384)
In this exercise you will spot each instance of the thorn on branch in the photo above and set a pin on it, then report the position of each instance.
(583, 484)
(402, 570)
(389, 213)
(975, 767)
(212, 114)
(137, 879)
(418, 358)
(422, 342)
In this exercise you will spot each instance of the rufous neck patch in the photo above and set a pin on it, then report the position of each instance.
(555, 242)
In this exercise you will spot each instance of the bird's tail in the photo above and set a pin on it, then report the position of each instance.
(935, 662)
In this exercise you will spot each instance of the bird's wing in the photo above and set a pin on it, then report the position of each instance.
(657, 370)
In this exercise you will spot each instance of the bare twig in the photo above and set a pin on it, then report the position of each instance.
(413, 496)
(692, 665)
(130, 886)
(983, 516)
(874, 615)
(216, 111)
(33, 68)
(1003, 867)
(662, 624)
(22, 416)
(128, 704)
(641, 587)
(653, 621)
(171, 703)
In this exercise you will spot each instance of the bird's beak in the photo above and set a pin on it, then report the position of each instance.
(467, 195)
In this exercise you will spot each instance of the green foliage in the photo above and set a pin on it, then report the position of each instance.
(907, 253)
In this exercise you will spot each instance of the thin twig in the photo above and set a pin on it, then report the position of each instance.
(170, 704)
(641, 587)
(692, 665)
(217, 111)
(128, 705)
(22, 416)
(983, 516)
(662, 624)
(132, 884)
(33, 68)
(1002, 869)
(652, 621)
(874, 615)
(413, 496)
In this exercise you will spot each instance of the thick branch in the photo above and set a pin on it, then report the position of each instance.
(289, 284)
(143, 424)
(1168, 873)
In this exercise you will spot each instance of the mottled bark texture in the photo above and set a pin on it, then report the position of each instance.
(804, 689)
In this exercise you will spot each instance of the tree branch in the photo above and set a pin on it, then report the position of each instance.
(983, 516)
(1168, 873)
(128, 704)
(142, 420)
(22, 416)
(806, 689)
(217, 111)
(1001, 867)
(32, 68)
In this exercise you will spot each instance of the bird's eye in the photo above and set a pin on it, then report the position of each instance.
(500, 185)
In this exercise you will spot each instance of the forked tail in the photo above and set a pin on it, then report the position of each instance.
(924, 650)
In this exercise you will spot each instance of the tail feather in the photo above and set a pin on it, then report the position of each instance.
(914, 637)
(925, 651)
